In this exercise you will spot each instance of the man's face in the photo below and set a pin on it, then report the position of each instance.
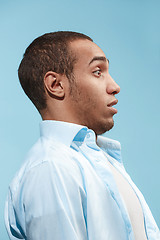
(93, 91)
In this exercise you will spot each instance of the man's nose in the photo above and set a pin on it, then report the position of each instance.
(113, 88)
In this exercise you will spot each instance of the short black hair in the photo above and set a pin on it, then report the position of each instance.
(49, 52)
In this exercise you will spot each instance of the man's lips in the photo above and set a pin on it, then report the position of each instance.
(113, 103)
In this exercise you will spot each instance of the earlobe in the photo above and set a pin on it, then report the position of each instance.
(54, 85)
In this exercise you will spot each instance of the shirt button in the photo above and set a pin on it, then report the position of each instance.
(88, 135)
(97, 159)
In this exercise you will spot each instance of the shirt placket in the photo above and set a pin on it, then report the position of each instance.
(97, 159)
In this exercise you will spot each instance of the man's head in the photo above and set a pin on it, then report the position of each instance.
(49, 52)
(66, 76)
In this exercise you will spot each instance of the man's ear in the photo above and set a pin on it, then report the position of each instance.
(53, 83)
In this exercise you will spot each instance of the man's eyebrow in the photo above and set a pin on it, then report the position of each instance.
(99, 58)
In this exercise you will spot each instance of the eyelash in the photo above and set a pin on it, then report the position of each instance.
(98, 70)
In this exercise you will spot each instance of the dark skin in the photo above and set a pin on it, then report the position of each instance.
(93, 93)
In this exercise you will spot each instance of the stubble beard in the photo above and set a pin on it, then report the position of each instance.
(98, 127)
(101, 128)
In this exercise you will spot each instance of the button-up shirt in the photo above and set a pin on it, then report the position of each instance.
(65, 189)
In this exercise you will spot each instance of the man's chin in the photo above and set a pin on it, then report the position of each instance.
(109, 126)
(104, 127)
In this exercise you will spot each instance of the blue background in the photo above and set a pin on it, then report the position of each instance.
(129, 33)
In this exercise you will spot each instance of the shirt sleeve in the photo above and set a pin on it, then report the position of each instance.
(12, 226)
(53, 202)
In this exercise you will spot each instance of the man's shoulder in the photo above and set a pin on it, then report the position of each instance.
(43, 156)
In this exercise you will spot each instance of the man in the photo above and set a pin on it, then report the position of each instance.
(73, 185)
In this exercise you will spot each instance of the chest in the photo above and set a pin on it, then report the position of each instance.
(107, 186)
(131, 202)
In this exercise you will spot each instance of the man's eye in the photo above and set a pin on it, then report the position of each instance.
(97, 72)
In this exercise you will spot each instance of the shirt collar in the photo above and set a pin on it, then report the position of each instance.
(110, 146)
(63, 132)
(108, 143)
(67, 133)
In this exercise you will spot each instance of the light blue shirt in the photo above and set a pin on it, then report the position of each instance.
(65, 189)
